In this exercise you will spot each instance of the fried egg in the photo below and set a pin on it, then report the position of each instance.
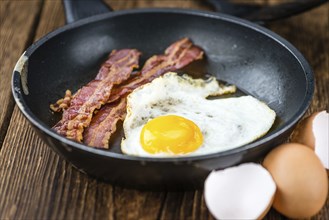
(172, 117)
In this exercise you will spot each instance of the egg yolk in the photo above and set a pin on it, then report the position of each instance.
(170, 134)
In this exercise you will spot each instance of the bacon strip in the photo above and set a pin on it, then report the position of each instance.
(103, 124)
(64, 103)
(178, 55)
(96, 93)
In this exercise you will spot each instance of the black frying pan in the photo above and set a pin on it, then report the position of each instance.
(255, 59)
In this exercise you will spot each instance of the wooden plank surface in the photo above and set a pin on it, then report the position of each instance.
(13, 41)
(36, 184)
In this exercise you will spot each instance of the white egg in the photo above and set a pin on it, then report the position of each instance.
(225, 123)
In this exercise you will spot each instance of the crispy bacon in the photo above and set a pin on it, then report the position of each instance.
(103, 124)
(63, 103)
(176, 56)
(96, 93)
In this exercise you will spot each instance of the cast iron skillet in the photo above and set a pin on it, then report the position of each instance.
(255, 59)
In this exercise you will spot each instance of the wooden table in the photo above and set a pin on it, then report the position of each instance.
(36, 184)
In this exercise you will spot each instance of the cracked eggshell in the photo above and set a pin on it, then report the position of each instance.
(313, 132)
(242, 192)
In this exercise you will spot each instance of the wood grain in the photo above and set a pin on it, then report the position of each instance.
(36, 184)
(13, 41)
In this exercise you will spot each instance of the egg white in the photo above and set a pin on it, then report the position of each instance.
(225, 123)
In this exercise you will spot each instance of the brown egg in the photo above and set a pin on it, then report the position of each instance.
(313, 132)
(303, 132)
(301, 179)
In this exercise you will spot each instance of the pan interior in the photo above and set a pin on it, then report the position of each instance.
(257, 64)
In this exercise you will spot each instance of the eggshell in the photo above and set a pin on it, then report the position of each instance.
(302, 183)
(313, 132)
(241, 192)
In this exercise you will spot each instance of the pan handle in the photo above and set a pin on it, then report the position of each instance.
(78, 9)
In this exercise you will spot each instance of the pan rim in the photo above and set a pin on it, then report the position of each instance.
(308, 74)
